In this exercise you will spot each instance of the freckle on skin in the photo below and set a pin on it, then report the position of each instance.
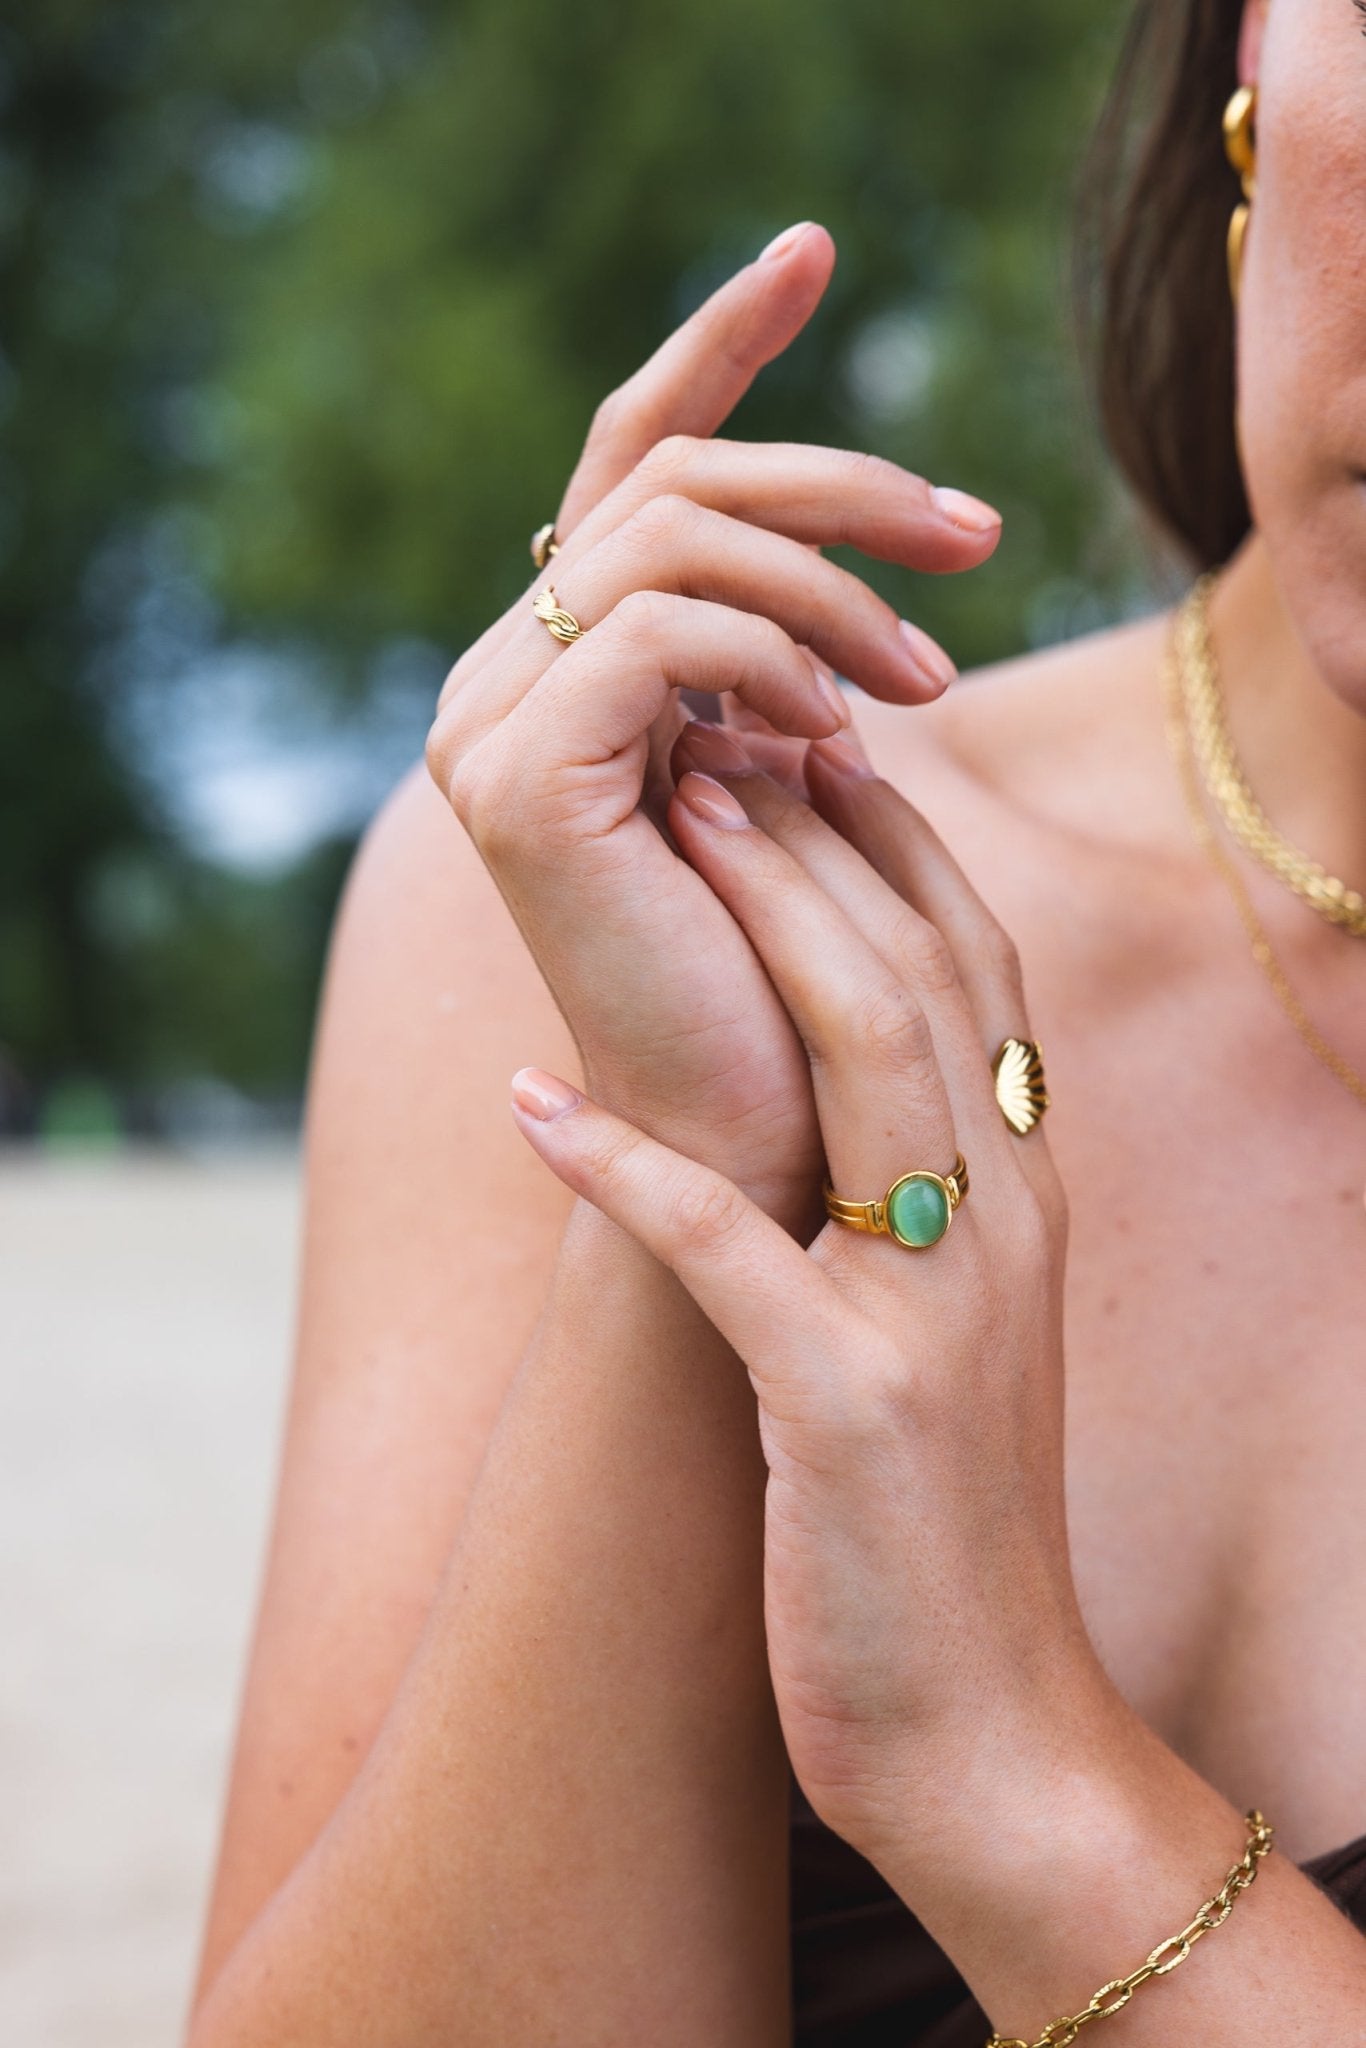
(1124, 1224)
(286, 1788)
(350, 1742)
(1209, 1265)
(1110, 1305)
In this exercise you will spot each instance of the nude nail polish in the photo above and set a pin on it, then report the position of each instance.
(713, 749)
(832, 695)
(541, 1095)
(710, 801)
(837, 752)
(927, 656)
(961, 510)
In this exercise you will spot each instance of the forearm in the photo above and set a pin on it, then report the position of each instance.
(571, 1821)
(1050, 1867)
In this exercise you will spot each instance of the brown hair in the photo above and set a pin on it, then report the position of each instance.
(1151, 284)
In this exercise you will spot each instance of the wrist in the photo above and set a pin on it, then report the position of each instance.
(780, 1171)
(973, 1804)
(1054, 1857)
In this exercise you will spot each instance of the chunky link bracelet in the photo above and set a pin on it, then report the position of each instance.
(1113, 1996)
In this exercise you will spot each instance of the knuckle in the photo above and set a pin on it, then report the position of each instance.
(927, 956)
(762, 661)
(889, 1026)
(607, 415)
(662, 521)
(884, 1395)
(1051, 1196)
(455, 677)
(1034, 1225)
(640, 616)
(611, 1158)
(437, 753)
(475, 789)
(1001, 955)
(462, 784)
(774, 645)
(450, 755)
(705, 1213)
(871, 472)
(670, 459)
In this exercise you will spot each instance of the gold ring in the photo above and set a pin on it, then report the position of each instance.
(544, 544)
(1018, 1073)
(916, 1210)
(561, 623)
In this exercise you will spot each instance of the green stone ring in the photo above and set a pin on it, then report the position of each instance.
(916, 1210)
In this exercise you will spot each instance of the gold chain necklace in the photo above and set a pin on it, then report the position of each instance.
(1188, 652)
(1227, 784)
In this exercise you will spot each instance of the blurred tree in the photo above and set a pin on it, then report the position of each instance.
(306, 312)
(515, 226)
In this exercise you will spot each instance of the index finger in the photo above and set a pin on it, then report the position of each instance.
(698, 375)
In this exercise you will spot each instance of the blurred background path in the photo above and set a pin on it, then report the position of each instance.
(145, 1305)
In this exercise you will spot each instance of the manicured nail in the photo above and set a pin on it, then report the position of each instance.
(832, 696)
(780, 244)
(840, 754)
(713, 749)
(961, 510)
(707, 799)
(539, 1094)
(927, 657)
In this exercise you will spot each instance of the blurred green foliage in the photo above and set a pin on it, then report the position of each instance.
(306, 310)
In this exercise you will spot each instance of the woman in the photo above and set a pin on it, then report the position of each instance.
(635, 1519)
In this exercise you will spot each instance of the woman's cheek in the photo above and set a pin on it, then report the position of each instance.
(1302, 330)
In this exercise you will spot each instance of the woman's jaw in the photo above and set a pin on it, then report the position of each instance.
(1300, 733)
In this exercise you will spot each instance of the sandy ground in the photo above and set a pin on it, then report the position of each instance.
(144, 1324)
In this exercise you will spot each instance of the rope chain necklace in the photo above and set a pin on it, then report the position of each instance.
(1227, 784)
(1198, 733)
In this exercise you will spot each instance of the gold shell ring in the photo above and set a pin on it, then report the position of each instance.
(1018, 1073)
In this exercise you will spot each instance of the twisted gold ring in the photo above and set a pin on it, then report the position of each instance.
(561, 623)
(916, 1210)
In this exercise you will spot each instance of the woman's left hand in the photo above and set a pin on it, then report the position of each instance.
(921, 1615)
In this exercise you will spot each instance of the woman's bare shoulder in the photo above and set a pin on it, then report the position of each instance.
(1068, 740)
(430, 1002)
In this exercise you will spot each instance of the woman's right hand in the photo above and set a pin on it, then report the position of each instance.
(692, 564)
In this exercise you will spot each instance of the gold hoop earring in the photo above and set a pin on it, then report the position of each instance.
(1241, 152)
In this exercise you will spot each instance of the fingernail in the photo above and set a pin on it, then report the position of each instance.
(832, 696)
(540, 1095)
(780, 244)
(707, 799)
(839, 754)
(927, 657)
(713, 748)
(960, 510)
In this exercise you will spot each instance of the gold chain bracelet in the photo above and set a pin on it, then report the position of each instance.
(1116, 1994)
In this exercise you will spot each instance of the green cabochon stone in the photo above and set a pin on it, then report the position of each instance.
(918, 1212)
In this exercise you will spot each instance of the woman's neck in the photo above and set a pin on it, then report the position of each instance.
(1303, 748)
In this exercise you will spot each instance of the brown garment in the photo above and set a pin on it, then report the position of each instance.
(865, 1974)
